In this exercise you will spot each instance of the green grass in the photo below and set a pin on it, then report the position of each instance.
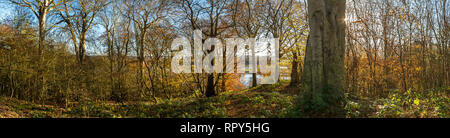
(267, 101)
(409, 104)
(250, 103)
(226, 105)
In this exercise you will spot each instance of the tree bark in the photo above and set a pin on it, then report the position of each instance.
(41, 48)
(142, 61)
(254, 80)
(294, 72)
(210, 91)
(324, 71)
(82, 47)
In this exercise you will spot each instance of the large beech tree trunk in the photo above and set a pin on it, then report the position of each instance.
(324, 72)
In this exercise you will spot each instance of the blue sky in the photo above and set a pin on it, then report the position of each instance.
(5, 9)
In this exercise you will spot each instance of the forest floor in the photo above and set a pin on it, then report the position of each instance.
(268, 101)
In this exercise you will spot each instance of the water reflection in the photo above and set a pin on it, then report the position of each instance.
(246, 79)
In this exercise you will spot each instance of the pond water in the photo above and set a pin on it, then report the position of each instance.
(246, 79)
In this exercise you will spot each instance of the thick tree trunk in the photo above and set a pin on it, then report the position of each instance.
(42, 33)
(41, 48)
(82, 48)
(324, 71)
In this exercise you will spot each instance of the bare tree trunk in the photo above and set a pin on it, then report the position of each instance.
(294, 72)
(210, 91)
(42, 25)
(254, 80)
(41, 66)
(324, 71)
(254, 67)
(82, 48)
(141, 61)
